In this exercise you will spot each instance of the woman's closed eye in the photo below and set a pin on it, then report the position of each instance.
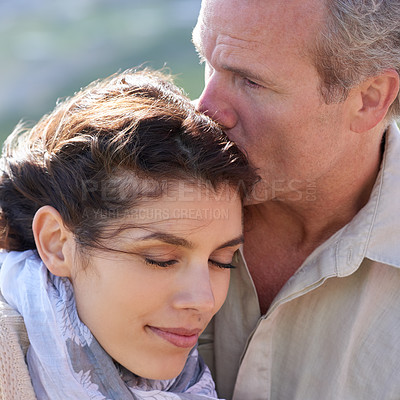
(159, 263)
(168, 263)
(221, 265)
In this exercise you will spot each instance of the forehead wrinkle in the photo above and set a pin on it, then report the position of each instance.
(243, 43)
(229, 45)
(202, 29)
(211, 44)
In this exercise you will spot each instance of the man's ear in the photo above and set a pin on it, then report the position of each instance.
(54, 242)
(373, 98)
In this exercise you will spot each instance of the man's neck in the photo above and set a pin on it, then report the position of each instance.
(280, 235)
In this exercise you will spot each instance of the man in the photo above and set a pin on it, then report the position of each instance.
(310, 89)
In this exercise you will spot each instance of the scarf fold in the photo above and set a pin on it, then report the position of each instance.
(64, 358)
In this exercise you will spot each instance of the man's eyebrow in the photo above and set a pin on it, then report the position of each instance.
(244, 72)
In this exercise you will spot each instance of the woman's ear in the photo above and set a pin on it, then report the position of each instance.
(374, 95)
(54, 242)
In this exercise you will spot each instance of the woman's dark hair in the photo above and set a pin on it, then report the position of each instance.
(114, 143)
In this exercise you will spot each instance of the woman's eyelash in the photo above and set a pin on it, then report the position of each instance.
(162, 264)
(165, 264)
(221, 265)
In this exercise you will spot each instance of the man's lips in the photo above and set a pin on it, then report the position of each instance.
(180, 337)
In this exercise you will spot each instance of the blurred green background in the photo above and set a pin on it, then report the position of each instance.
(49, 49)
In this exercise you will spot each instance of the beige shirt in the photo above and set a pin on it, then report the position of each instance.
(333, 331)
(15, 382)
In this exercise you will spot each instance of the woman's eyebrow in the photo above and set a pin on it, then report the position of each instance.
(179, 241)
(168, 238)
(233, 242)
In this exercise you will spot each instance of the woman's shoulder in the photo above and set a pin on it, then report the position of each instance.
(15, 382)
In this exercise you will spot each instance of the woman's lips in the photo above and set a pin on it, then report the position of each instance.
(180, 337)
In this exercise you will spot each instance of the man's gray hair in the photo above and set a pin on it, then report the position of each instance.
(360, 39)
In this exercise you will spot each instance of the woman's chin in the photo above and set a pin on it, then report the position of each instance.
(161, 374)
(162, 369)
(166, 375)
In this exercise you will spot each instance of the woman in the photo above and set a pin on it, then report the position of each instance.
(120, 215)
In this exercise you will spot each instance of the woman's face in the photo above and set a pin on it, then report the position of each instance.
(148, 302)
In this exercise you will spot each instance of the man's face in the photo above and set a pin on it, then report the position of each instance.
(261, 84)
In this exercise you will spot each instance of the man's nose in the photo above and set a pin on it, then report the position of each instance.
(216, 102)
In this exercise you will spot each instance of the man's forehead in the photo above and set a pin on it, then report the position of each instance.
(296, 16)
(226, 18)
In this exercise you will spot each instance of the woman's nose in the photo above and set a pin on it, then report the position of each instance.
(195, 292)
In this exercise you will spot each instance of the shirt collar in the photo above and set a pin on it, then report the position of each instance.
(384, 243)
(373, 233)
